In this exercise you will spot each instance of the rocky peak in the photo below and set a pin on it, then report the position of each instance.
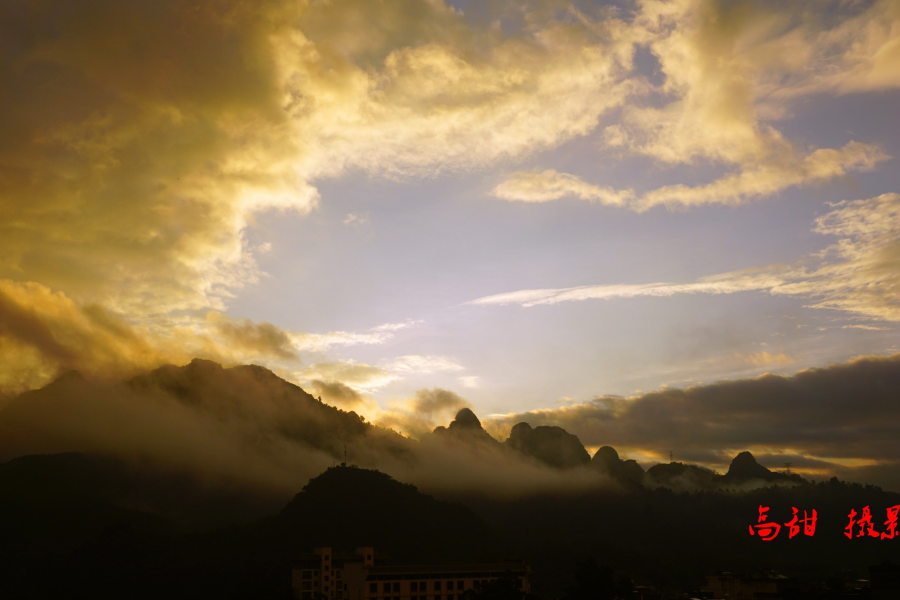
(554, 446)
(466, 426)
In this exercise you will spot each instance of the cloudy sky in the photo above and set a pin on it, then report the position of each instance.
(530, 204)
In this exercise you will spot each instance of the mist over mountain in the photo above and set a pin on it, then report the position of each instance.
(246, 428)
(238, 426)
(842, 419)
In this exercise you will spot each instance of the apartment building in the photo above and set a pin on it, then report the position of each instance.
(326, 575)
(761, 584)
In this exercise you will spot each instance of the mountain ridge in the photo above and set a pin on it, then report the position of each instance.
(262, 403)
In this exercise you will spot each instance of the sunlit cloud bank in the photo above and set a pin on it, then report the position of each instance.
(45, 333)
(419, 415)
(141, 140)
(136, 154)
(349, 385)
(228, 109)
(856, 274)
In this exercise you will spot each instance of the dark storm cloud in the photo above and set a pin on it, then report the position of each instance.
(841, 413)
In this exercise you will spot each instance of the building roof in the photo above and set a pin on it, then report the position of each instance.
(446, 571)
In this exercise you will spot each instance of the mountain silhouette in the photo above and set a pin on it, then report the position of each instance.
(682, 476)
(229, 393)
(553, 446)
(745, 468)
(606, 460)
(60, 501)
(349, 507)
(466, 428)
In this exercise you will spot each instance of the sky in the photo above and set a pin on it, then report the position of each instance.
(533, 205)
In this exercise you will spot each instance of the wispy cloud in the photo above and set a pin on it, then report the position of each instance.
(470, 381)
(424, 364)
(753, 181)
(865, 327)
(731, 73)
(320, 342)
(548, 185)
(607, 292)
(857, 274)
(357, 220)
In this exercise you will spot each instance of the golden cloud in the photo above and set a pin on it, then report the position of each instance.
(358, 376)
(754, 181)
(730, 69)
(418, 416)
(263, 338)
(343, 396)
(140, 139)
(548, 185)
(44, 333)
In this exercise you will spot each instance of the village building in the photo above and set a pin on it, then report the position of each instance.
(327, 575)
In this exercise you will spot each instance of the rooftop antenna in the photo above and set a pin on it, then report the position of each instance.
(344, 464)
(787, 467)
(670, 456)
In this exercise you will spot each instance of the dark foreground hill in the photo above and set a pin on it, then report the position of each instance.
(349, 507)
(70, 540)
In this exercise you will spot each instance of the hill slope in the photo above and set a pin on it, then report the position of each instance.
(237, 426)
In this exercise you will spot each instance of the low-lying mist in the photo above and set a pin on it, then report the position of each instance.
(244, 428)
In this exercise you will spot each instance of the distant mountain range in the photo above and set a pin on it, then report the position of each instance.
(246, 426)
(555, 447)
